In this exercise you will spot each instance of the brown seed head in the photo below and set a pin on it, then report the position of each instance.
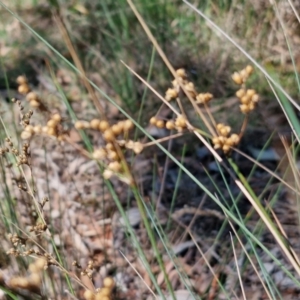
(108, 174)
(88, 295)
(114, 166)
(26, 135)
(138, 147)
(23, 89)
(237, 78)
(108, 282)
(171, 93)
(153, 121)
(128, 125)
(21, 79)
(32, 96)
(180, 121)
(160, 124)
(116, 129)
(112, 155)
(240, 93)
(35, 103)
(181, 73)
(52, 123)
(56, 118)
(245, 99)
(99, 154)
(255, 98)
(95, 124)
(170, 125)
(103, 125)
(249, 70)
(108, 135)
(52, 131)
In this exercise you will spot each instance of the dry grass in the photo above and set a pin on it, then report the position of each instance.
(82, 186)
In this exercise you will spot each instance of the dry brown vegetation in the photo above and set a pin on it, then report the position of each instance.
(121, 181)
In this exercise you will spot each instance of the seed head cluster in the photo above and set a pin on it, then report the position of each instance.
(242, 76)
(225, 141)
(116, 133)
(22, 156)
(23, 87)
(33, 282)
(247, 97)
(179, 124)
(103, 293)
(174, 91)
(52, 128)
(32, 97)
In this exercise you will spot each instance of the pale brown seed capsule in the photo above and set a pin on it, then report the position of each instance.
(101, 297)
(171, 94)
(244, 108)
(56, 118)
(108, 282)
(129, 144)
(99, 154)
(160, 124)
(226, 148)
(244, 75)
(116, 129)
(21, 79)
(29, 128)
(153, 121)
(245, 99)
(109, 146)
(51, 131)
(181, 73)
(220, 126)
(25, 135)
(85, 124)
(114, 166)
(40, 264)
(180, 121)
(95, 124)
(237, 78)
(105, 291)
(89, 295)
(112, 155)
(255, 98)
(128, 125)
(35, 103)
(170, 125)
(32, 96)
(190, 87)
(33, 268)
(51, 123)
(23, 89)
(108, 174)
(37, 129)
(103, 125)
(235, 138)
(249, 70)
(79, 125)
(138, 147)
(251, 105)
(108, 135)
(18, 282)
(224, 131)
(35, 280)
(250, 93)
(240, 93)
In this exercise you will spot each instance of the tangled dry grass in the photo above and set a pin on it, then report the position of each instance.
(92, 209)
